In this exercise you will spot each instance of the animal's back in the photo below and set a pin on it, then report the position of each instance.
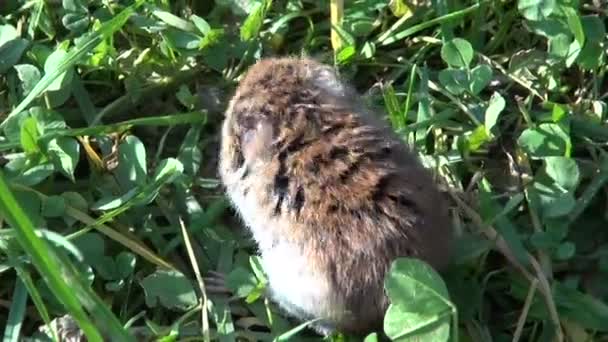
(333, 196)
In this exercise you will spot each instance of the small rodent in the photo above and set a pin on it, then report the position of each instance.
(330, 193)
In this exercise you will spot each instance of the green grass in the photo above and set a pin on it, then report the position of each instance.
(110, 207)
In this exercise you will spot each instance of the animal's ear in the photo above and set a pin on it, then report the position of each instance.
(325, 77)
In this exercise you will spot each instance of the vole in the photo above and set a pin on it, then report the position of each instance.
(329, 192)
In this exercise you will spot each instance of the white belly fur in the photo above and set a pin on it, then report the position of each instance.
(294, 285)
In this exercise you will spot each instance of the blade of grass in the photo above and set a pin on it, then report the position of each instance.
(336, 8)
(131, 243)
(389, 37)
(87, 109)
(37, 299)
(441, 7)
(288, 17)
(392, 107)
(44, 259)
(129, 101)
(16, 313)
(597, 183)
(291, 333)
(58, 271)
(4, 146)
(410, 92)
(199, 279)
(34, 22)
(121, 127)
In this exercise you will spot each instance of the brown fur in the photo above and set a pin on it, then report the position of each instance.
(336, 179)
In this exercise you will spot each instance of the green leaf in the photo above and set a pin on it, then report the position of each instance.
(7, 33)
(558, 112)
(186, 98)
(48, 120)
(575, 25)
(115, 269)
(543, 241)
(106, 268)
(53, 206)
(550, 27)
(559, 45)
(76, 201)
(420, 304)
(346, 54)
(13, 127)
(76, 18)
(477, 138)
(546, 140)
(183, 40)
(169, 288)
(30, 135)
(241, 282)
(53, 63)
(591, 56)
(201, 24)
(64, 152)
(253, 23)
(74, 6)
(368, 50)
(113, 202)
(256, 265)
(457, 53)
(495, 107)
(190, 155)
(212, 38)
(90, 245)
(34, 175)
(132, 169)
(565, 251)
(536, 9)
(551, 201)
(168, 169)
(373, 337)
(29, 75)
(76, 22)
(31, 204)
(481, 76)
(587, 311)
(456, 81)
(469, 247)
(593, 28)
(399, 9)
(573, 52)
(361, 17)
(114, 286)
(173, 20)
(564, 171)
(10, 53)
(346, 37)
(125, 264)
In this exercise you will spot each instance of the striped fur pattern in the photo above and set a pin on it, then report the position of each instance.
(330, 194)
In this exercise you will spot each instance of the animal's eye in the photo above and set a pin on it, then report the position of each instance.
(247, 122)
